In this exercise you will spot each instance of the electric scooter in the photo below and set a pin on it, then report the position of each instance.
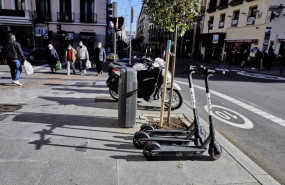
(154, 149)
(149, 129)
(195, 129)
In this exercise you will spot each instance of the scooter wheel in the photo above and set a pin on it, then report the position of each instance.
(214, 153)
(137, 139)
(114, 95)
(147, 151)
(146, 127)
(177, 99)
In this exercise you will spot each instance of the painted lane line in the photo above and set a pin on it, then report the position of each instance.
(226, 115)
(261, 76)
(36, 68)
(243, 105)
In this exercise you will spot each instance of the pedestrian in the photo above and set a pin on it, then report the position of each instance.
(52, 58)
(244, 59)
(70, 58)
(82, 57)
(259, 58)
(99, 58)
(14, 55)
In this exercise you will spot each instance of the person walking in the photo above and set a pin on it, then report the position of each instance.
(14, 55)
(259, 58)
(70, 58)
(82, 57)
(244, 59)
(99, 58)
(52, 58)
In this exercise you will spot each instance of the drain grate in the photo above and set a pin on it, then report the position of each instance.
(10, 108)
(87, 84)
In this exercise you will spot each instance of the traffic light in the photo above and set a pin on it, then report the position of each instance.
(58, 27)
(109, 12)
(120, 23)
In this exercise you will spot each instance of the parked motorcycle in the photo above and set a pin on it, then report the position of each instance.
(150, 81)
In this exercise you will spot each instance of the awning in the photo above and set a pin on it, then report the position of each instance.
(281, 39)
(241, 40)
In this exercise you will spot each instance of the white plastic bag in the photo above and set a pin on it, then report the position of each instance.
(88, 64)
(28, 68)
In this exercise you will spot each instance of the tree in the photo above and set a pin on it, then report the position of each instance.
(173, 16)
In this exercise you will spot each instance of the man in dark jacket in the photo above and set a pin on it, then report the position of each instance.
(52, 58)
(99, 58)
(14, 56)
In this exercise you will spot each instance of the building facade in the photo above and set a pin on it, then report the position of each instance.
(240, 26)
(60, 22)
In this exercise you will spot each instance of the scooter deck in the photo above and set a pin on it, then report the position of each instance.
(174, 149)
(168, 132)
(170, 140)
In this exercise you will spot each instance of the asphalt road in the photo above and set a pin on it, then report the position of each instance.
(246, 109)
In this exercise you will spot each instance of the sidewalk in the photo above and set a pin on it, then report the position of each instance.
(66, 133)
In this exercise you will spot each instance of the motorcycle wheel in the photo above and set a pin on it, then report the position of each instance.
(176, 101)
(114, 94)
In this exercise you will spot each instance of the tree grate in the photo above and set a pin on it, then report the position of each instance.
(10, 108)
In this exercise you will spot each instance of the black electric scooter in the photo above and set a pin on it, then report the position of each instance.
(149, 129)
(195, 129)
(153, 149)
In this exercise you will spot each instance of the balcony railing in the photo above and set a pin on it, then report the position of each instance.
(65, 17)
(220, 7)
(249, 0)
(14, 13)
(236, 2)
(250, 20)
(88, 17)
(42, 16)
(221, 24)
(234, 22)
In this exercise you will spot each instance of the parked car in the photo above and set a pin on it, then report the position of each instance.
(35, 53)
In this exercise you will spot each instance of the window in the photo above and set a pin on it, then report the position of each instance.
(251, 15)
(235, 18)
(252, 11)
(223, 4)
(20, 4)
(0, 4)
(43, 10)
(65, 13)
(87, 13)
(210, 24)
(222, 20)
(212, 6)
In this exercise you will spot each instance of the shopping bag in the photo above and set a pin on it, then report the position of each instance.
(58, 66)
(88, 64)
(28, 68)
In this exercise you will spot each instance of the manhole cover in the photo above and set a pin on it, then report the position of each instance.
(88, 84)
(10, 108)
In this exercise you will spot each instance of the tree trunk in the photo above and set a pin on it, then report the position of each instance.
(172, 73)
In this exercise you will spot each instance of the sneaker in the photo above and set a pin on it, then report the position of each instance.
(17, 83)
(67, 73)
(84, 71)
(253, 68)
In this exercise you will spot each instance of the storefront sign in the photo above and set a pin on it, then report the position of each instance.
(44, 32)
(38, 32)
(215, 38)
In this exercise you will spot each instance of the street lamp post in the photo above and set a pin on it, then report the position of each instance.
(208, 50)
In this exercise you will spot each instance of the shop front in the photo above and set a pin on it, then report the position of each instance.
(213, 44)
(235, 48)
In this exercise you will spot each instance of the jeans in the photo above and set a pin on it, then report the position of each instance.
(70, 63)
(81, 64)
(52, 68)
(15, 69)
(99, 66)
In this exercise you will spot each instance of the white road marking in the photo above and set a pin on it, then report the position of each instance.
(243, 105)
(36, 68)
(226, 114)
(262, 76)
